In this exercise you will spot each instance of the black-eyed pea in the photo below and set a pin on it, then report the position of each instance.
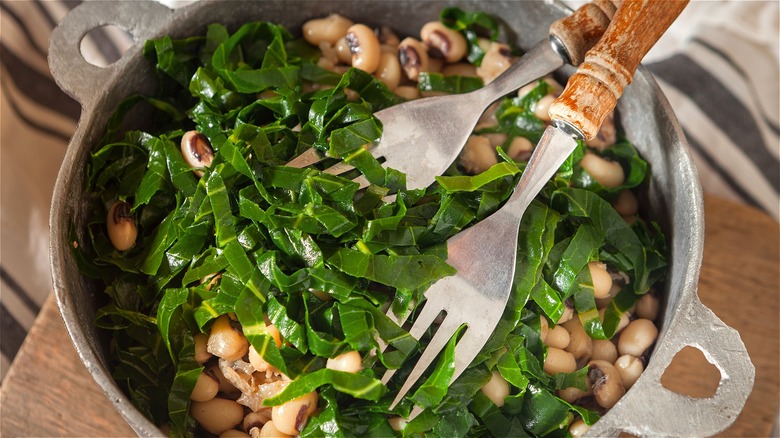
(349, 362)
(578, 428)
(269, 430)
(443, 42)
(459, 69)
(572, 393)
(607, 385)
(605, 350)
(602, 281)
(568, 312)
(274, 332)
(387, 37)
(197, 151)
(397, 423)
(497, 60)
(408, 92)
(637, 337)
(365, 47)
(580, 344)
(478, 155)
(613, 291)
(559, 361)
(225, 386)
(206, 387)
(542, 108)
(291, 417)
(202, 354)
(557, 337)
(328, 29)
(496, 138)
(607, 173)
(520, 149)
(554, 87)
(217, 415)
(343, 53)
(625, 319)
(121, 227)
(544, 328)
(389, 70)
(256, 419)
(629, 368)
(496, 389)
(226, 341)
(234, 433)
(626, 203)
(413, 57)
(647, 306)
(607, 135)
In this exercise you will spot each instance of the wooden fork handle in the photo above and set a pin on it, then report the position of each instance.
(592, 92)
(582, 29)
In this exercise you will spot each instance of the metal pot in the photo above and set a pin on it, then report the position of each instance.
(673, 196)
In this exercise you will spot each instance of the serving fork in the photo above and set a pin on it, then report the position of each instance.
(422, 137)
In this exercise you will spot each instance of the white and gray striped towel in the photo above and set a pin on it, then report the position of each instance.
(718, 65)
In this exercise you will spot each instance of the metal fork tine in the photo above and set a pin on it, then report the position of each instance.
(442, 336)
(423, 321)
(469, 345)
(306, 158)
(338, 168)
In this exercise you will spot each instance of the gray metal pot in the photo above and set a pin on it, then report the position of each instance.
(673, 197)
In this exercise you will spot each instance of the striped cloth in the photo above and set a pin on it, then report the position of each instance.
(718, 65)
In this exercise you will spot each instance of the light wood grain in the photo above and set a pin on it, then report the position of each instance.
(47, 391)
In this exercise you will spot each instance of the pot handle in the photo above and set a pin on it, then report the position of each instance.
(649, 409)
(77, 77)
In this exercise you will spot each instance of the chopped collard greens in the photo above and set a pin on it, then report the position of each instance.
(305, 265)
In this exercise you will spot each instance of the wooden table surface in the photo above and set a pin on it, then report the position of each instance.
(47, 391)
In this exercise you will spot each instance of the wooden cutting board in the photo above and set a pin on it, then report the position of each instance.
(48, 392)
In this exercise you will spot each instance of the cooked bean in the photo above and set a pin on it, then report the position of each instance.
(478, 155)
(637, 337)
(578, 428)
(607, 385)
(629, 368)
(274, 332)
(607, 135)
(497, 59)
(647, 306)
(397, 423)
(202, 354)
(626, 203)
(559, 361)
(206, 387)
(545, 328)
(496, 138)
(572, 393)
(387, 37)
(224, 384)
(291, 417)
(580, 345)
(350, 362)
(234, 433)
(602, 281)
(217, 415)
(226, 341)
(554, 87)
(607, 173)
(256, 419)
(568, 312)
(269, 430)
(408, 92)
(443, 42)
(496, 389)
(121, 227)
(389, 70)
(604, 349)
(364, 46)
(460, 69)
(520, 149)
(613, 291)
(328, 29)
(197, 151)
(343, 53)
(542, 107)
(413, 57)
(557, 337)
